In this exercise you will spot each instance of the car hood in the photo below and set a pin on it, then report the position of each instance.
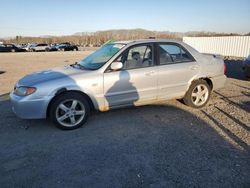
(48, 75)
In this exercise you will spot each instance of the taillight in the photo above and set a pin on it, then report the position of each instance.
(225, 68)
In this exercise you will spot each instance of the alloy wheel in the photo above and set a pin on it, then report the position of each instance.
(200, 95)
(70, 112)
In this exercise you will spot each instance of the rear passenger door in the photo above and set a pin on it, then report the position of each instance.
(176, 67)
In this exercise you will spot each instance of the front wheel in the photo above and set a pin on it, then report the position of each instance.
(198, 94)
(69, 111)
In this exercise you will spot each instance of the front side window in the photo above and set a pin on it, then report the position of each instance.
(171, 53)
(137, 57)
(101, 56)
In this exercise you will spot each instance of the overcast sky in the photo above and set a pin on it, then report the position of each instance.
(66, 17)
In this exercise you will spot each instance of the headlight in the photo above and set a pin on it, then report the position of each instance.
(24, 91)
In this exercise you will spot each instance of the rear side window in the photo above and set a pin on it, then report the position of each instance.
(173, 53)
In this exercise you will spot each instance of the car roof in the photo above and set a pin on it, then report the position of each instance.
(147, 41)
(191, 50)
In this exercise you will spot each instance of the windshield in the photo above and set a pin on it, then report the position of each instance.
(101, 56)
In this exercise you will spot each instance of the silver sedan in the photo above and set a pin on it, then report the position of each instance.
(117, 75)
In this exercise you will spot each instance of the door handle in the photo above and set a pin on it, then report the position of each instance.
(150, 73)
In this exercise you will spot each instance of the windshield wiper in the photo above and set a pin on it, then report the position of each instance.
(80, 66)
(77, 64)
(72, 65)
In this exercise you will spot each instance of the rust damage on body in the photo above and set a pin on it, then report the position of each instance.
(104, 108)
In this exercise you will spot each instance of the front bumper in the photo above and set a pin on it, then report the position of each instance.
(27, 108)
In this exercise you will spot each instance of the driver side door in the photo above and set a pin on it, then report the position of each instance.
(136, 82)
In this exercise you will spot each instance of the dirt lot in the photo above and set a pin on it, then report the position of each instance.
(17, 65)
(161, 145)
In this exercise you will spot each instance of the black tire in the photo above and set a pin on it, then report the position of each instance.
(188, 99)
(64, 97)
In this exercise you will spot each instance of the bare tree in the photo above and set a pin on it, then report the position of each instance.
(100, 37)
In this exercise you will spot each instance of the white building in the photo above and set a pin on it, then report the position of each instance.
(235, 46)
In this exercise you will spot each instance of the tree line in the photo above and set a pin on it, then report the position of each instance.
(100, 37)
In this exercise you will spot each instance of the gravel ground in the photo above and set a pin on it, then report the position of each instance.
(162, 145)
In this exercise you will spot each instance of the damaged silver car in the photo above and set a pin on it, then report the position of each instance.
(117, 75)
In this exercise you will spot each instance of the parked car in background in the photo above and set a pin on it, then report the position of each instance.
(19, 45)
(117, 75)
(246, 67)
(54, 47)
(27, 47)
(64, 47)
(10, 48)
(39, 47)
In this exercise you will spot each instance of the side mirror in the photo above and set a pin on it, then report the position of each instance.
(116, 66)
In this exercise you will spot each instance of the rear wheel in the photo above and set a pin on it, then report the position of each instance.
(198, 94)
(13, 50)
(69, 111)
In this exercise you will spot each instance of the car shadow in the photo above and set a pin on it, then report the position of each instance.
(229, 133)
(243, 106)
(243, 125)
(243, 87)
(155, 145)
(148, 146)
